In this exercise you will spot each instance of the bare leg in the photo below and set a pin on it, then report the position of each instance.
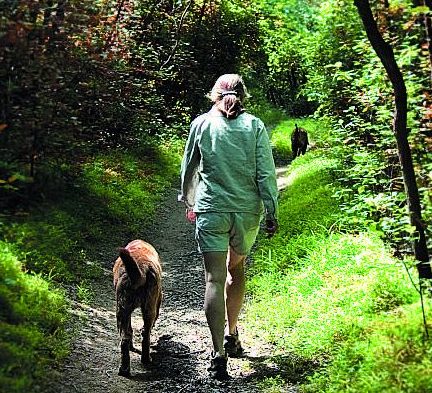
(214, 303)
(234, 288)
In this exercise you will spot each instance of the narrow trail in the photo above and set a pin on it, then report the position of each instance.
(180, 339)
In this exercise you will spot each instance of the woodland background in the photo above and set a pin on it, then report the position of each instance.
(96, 98)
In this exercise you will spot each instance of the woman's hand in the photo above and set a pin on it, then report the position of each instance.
(271, 226)
(190, 215)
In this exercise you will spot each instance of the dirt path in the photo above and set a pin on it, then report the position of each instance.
(180, 339)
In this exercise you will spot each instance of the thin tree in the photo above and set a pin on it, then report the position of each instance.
(387, 57)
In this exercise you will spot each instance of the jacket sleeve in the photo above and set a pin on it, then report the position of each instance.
(189, 168)
(266, 173)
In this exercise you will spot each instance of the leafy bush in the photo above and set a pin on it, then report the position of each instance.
(348, 80)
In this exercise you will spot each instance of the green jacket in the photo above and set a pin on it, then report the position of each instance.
(228, 166)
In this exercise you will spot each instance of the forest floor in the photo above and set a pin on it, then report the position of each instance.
(180, 338)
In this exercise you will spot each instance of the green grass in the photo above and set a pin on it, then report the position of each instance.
(32, 317)
(272, 385)
(96, 207)
(105, 201)
(306, 210)
(391, 355)
(343, 281)
(318, 133)
(338, 303)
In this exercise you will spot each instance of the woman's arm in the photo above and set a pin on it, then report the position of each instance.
(266, 174)
(189, 167)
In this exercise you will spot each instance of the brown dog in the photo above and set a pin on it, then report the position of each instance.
(138, 283)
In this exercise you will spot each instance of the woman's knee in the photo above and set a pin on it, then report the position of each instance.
(235, 262)
(215, 266)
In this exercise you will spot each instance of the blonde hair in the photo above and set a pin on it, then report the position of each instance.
(228, 94)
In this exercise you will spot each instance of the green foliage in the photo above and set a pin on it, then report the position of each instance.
(336, 300)
(84, 292)
(306, 211)
(118, 191)
(338, 284)
(329, 55)
(46, 245)
(32, 317)
(284, 27)
(348, 81)
(129, 187)
(272, 385)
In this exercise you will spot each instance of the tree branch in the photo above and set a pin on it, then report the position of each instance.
(173, 51)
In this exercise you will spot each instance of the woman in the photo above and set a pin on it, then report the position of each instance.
(228, 181)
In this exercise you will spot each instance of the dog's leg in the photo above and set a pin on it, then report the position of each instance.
(159, 302)
(130, 334)
(124, 369)
(149, 317)
(124, 321)
(303, 148)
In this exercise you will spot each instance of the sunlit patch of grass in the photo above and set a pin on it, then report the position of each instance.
(318, 134)
(337, 300)
(342, 280)
(306, 211)
(130, 185)
(391, 355)
(32, 317)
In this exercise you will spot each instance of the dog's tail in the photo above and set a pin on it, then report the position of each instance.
(130, 265)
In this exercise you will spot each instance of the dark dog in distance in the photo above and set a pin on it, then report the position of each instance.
(299, 141)
(137, 283)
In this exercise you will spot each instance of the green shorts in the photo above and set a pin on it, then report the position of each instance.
(217, 231)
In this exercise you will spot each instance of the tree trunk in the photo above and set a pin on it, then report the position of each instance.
(428, 36)
(386, 55)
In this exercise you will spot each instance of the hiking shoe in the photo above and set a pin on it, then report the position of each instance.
(233, 346)
(218, 367)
